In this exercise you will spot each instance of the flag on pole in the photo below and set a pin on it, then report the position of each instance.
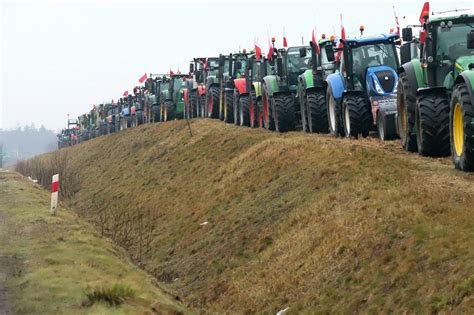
(125, 93)
(143, 78)
(396, 21)
(343, 36)
(258, 50)
(315, 42)
(425, 12)
(270, 50)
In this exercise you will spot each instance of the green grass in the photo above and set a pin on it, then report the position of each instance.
(60, 265)
(308, 222)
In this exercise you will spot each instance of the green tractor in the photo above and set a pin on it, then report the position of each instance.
(435, 91)
(312, 86)
(280, 88)
(172, 97)
(215, 88)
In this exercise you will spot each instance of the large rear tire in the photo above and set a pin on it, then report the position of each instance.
(228, 107)
(334, 115)
(406, 103)
(253, 110)
(356, 116)
(432, 125)
(267, 111)
(194, 104)
(462, 128)
(284, 112)
(169, 111)
(128, 121)
(244, 110)
(317, 114)
(212, 102)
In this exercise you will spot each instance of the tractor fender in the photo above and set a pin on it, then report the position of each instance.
(414, 74)
(258, 89)
(201, 90)
(271, 84)
(336, 84)
(240, 85)
(467, 77)
(307, 79)
(432, 90)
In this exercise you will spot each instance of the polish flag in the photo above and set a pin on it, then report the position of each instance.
(425, 12)
(315, 42)
(125, 93)
(343, 36)
(143, 78)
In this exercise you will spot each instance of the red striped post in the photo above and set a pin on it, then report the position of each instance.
(54, 194)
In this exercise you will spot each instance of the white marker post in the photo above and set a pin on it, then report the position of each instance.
(54, 194)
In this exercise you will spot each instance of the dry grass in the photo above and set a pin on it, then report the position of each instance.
(307, 222)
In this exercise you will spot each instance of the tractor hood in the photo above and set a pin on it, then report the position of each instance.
(462, 63)
(381, 80)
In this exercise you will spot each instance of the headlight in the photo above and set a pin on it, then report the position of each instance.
(378, 88)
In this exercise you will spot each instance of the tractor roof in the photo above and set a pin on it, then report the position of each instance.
(452, 15)
(373, 39)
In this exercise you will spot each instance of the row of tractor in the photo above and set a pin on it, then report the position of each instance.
(415, 88)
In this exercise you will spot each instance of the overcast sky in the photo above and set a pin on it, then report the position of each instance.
(60, 57)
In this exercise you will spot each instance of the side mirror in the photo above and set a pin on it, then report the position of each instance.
(302, 52)
(470, 40)
(191, 68)
(330, 53)
(407, 34)
(238, 65)
(405, 53)
(279, 66)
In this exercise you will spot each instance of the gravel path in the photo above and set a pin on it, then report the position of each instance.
(5, 268)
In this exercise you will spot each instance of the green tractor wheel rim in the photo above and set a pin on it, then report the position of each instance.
(458, 129)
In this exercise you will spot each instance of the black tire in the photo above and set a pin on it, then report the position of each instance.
(155, 113)
(212, 102)
(284, 112)
(194, 104)
(303, 109)
(432, 125)
(357, 117)
(244, 110)
(334, 115)
(406, 104)
(139, 116)
(236, 107)
(462, 143)
(128, 121)
(169, 113)
(228, 107)
(253, 106)
(317, 112)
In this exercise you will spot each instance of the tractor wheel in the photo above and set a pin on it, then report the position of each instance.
(155, 113)
(228, 107)
(385, 127)
(244, 110)
(284, 112)
(194, 104)
(212, 102)
(128, 120)
(334, 115)
(356, 116)
(267, 115)
(253, 110)
(317, 112)
(462, 129)
(406, 103)
(236, 108)
(169, 113)
(139, 116)
(432, 125)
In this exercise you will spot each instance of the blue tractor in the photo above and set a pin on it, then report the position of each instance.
(362, 94)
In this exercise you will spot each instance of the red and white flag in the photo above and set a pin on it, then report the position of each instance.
(258, 50)
(270, 50)
(125, 93)
(343, 36)
(396, 21)
(425, 12)
(315, 42)
(143, 78)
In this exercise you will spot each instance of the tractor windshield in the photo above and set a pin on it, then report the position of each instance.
(243, 61)
(165, 86)
(372, 55)
(178, 83)
(451, 42)
(212, 66)
(297, 64)
(256, 71)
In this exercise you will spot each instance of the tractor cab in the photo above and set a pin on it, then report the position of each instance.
(172, 105)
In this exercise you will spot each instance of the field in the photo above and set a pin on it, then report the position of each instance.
(60, 265)
(240, 220)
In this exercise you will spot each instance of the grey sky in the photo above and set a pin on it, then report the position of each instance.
(60, 57)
